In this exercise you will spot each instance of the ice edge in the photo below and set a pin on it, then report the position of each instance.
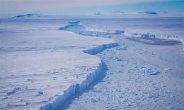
(78, 87)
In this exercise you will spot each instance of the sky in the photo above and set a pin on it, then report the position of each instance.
(88, 6)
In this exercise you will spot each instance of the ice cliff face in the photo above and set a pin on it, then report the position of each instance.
(78, 87)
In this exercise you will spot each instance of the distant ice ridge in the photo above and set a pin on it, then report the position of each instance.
(148, 35)
(95, 29)
(78, 87)
(80, 29)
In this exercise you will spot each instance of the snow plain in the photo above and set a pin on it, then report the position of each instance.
(44, 61)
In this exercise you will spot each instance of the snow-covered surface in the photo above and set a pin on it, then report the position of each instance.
(138, 77)
(144, 72)
(41, 65)
(44, 61)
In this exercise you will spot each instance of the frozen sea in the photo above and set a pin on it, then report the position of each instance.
(79, 63)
